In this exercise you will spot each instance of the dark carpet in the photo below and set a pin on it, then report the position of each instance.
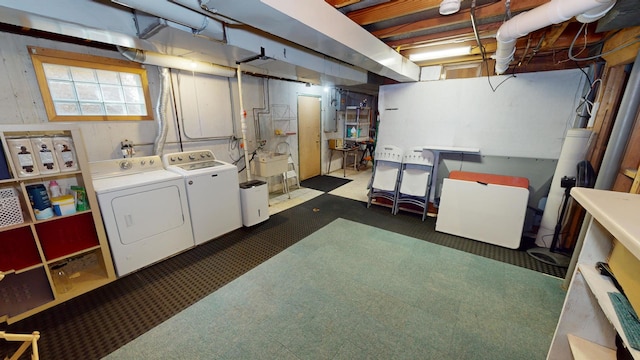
(324, 183)
(97, 323)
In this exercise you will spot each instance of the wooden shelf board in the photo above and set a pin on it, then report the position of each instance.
(86, 281)
(58, 217)
(586, 350)
(631, 173)
(600, 286)
(15, 226)
(66, 256)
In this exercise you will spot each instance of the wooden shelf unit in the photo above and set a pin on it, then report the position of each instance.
(29, 250)
(588, 312)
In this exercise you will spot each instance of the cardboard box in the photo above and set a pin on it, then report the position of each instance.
(626, 268)
(336, 143)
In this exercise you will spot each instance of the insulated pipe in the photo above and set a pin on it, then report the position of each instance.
(161, 112)
(201, 25)
(175, 62)
(553, 12)
(243, 125)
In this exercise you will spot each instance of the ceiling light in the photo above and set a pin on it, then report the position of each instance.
(439, 54)
(448, 7)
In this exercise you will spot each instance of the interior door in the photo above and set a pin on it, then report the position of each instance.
(309, 136)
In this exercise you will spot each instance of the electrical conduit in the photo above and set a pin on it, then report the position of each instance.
(553, 12)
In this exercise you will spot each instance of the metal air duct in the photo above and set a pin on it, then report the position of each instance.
(161, 111)
(200, 24)
(176, 62)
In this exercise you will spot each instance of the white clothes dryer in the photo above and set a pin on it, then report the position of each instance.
(145, 211)
(213, 191)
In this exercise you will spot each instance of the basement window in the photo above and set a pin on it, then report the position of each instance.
(80, 87)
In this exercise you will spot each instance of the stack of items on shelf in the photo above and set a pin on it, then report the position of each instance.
(51, 155)
(52, 243)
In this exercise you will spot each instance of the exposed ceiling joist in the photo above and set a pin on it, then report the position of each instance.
(342, 3)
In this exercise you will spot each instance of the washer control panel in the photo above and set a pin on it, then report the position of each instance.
(116, 167)
(188, 157)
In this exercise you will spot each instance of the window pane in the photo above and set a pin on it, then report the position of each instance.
(108, 77)
(130, 79)
(112, 93)
(83, 74)
(88, 92)
(116, 109)
(133, 109)
(85, 87)
(66, 108)
(133, 95)
(62, 90)
(56, 72)
(92, 109)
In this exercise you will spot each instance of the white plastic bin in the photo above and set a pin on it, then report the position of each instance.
(254, 199)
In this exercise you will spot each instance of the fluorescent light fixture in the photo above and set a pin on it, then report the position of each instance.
(439, 54)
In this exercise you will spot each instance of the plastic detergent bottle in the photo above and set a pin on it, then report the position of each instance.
(54, 189)
(353, 132)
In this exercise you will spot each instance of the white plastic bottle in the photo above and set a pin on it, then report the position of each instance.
(54, 189)
(353, 132)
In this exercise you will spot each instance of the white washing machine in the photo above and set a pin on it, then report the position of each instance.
(145, 211)
(213, 192)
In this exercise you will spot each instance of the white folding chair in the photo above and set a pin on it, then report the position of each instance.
(385, 176)
(415, 180)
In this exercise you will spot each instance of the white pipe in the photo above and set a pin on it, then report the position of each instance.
(176, 62)
(553, 12)
(201, 25)
(243, 125)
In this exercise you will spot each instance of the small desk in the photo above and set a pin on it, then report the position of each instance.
(344, 151)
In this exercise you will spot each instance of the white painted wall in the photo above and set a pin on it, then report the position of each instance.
(214, 112)
(527, 116)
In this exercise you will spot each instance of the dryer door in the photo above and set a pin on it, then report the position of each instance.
(148, 213)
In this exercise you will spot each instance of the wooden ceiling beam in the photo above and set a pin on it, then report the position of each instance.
(451, 34)
(463, 16)
(390, 10)
(554, 33)
(341, 3)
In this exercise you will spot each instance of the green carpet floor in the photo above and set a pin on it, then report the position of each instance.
(351, 291)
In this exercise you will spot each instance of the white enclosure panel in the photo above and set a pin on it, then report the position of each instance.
(527, 116)
(214, 202)
(204, 105)
(489, 213)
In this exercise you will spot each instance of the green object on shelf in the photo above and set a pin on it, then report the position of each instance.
(628, 318)
(80, 196)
